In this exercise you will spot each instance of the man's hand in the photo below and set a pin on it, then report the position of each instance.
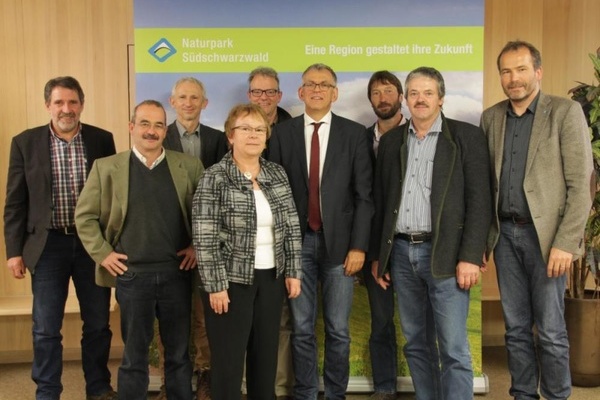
(385, 280)
(293, 287)
(17, 267)
(559, 262)
(113, 263)
(484, 262)
(467, 275)
(189, 258)
(219, 301)
(354, 262)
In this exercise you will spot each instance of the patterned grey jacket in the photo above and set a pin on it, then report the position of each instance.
(224, 224)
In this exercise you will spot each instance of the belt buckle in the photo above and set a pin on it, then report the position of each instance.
(68, 230)
(413, 240)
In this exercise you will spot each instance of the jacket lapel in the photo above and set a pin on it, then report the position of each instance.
(444, 160)
(299, 146)
(542, 113)
(180, 180)
(120, 178)
(499, 126)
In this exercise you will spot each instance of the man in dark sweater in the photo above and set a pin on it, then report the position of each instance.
(133, 217)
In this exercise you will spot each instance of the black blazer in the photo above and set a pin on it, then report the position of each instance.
(461, 206)
(213, 143)
(28, 208)
(346, 204)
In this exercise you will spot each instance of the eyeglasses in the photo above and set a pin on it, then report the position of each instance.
(316, 86)
(247, 130)
(159, 126)
(268, 92)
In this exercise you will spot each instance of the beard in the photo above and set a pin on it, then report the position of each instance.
(67, 122)
(393, 109)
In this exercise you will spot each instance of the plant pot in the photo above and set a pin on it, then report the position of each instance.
(582, 317)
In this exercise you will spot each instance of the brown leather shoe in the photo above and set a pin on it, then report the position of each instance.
(203, 385)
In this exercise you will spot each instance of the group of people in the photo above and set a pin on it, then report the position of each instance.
(278, 213)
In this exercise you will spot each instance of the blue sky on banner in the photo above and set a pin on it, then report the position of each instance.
(464, 90)
(314, 13)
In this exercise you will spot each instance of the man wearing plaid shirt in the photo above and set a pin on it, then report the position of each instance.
(47, 169)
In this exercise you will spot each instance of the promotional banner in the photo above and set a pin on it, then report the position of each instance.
(220, 42)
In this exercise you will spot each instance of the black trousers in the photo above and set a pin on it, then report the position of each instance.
(250, 328)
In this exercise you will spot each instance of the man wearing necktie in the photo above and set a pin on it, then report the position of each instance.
(326, 158)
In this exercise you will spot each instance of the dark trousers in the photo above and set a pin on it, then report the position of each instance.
(251, 327)
(382, 341)
(142, 298)
(64, 258)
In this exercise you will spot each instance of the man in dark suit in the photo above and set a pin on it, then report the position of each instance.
(264, 90)
(542, 165)
(186, 134)
(48, 167)
(326, 158)
(432, 213)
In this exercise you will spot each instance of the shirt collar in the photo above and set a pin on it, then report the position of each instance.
(58, 137)
(326, 119)
(143, 159)
(530, 109)
(435, 128)
(181, 129)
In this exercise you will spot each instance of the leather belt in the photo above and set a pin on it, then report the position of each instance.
(414, 238)
(515, 219)
(67, 230)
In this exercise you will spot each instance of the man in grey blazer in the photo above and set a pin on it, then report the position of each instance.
(541, 163)
(47, 169)
(326, 158)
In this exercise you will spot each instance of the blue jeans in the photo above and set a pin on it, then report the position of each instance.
(143, 297)
(417, 289)
(64, 258)
(337, 290)
(530, 298)
(382, 341)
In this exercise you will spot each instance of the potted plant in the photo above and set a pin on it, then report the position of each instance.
(582, 299)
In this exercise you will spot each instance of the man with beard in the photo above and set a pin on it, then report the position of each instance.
(134, 219)
(385, 94)
(542, 167)
(47, 170)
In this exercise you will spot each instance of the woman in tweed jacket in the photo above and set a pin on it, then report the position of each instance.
(248, 242)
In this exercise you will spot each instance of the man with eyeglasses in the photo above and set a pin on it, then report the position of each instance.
(326, 158)
(134, 219)
(186, 134)
(263, 90)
